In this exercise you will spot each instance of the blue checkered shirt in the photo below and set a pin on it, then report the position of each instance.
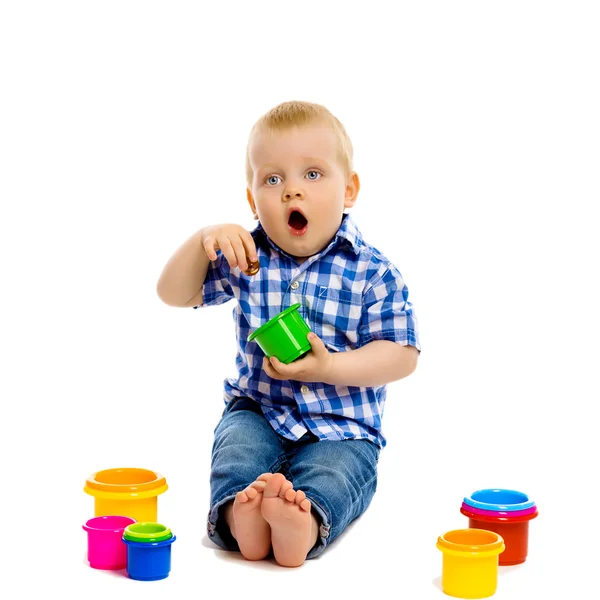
(350, 295)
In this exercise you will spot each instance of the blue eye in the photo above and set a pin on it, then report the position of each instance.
(270, 180)
(315, 173)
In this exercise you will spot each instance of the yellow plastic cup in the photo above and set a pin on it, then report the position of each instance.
(127, 492)
(470, 562)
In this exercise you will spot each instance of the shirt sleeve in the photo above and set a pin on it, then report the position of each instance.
(217, 288)
(387, 313)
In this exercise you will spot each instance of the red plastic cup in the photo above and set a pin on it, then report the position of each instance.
(513, 530)
(106, 549)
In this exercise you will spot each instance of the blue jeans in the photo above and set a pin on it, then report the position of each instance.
(338, 477)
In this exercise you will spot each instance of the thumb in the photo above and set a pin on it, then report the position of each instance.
(316, 343)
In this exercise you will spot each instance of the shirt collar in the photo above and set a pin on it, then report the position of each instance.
(347, 234)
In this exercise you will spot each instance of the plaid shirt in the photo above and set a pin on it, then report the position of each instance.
(350, 295)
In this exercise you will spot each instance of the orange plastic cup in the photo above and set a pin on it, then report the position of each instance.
(470, 562)
(128, 492)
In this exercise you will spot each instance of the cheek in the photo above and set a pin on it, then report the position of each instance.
(266, 208)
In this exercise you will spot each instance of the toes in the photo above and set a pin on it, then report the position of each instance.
(285, 489)
(258, 486)
(264, 477)
(241, 497)
(251, 493)
(305, 505)
(302, 501)
(274, 484)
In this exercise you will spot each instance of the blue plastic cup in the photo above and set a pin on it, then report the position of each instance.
(149, 561)
(499, 499)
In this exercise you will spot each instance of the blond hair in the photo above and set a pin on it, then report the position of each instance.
(296, 114)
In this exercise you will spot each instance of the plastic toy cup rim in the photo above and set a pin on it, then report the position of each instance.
(499, 513)
(90, 524)
(525, 502)
(149, 544)
(492, 519)
(495, 545)
(272, 321)
(151, 484)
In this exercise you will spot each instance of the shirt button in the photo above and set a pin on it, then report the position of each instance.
(295, 285)
(304, 389)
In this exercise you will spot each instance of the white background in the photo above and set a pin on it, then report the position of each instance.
(476, 130)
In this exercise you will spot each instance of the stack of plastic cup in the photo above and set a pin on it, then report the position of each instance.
(505, 512)
(148, 551)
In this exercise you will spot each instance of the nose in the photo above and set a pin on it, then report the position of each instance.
(292, 193)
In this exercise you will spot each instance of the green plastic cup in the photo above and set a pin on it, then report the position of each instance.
(147, 532)
(283, 336)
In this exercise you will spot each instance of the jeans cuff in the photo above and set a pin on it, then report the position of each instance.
(324, 527)
(216, 527)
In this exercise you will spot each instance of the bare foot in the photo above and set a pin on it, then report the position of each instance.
(248, 526)
(293, 528)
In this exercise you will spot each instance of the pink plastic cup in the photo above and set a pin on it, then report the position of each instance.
(106, 549)
(500, 513)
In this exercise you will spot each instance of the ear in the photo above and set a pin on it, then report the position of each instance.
(352, 189)
(251, 203)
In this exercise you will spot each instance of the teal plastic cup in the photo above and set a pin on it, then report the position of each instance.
(283, 336)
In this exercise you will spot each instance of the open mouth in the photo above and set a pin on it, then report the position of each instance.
(297, 222)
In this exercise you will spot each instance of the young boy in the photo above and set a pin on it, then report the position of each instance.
(295, 453)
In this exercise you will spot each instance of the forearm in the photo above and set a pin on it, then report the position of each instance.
(180, 283)
(376, 363)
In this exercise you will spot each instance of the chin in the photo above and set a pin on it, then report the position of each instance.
(304, 253)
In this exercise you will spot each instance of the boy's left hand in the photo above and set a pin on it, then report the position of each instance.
(314, 366)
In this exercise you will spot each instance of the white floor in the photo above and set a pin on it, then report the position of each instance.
(390, 552)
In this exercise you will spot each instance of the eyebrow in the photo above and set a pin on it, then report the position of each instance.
(308, 159)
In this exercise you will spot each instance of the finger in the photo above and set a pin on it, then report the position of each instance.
(316, 343)
(210, 246)
(281, 368)
(228, 251)
(250, 246)
(269, 370)
(240, 252)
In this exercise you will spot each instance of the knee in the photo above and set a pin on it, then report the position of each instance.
(237, 429)
(351, 477)
(338, 482)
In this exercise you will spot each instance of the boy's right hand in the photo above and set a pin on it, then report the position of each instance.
(233, 240)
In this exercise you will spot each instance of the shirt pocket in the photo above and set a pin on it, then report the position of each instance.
(336, 316)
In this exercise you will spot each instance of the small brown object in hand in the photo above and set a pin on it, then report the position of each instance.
(253, 268)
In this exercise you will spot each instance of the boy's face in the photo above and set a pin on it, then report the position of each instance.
(300, 188)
